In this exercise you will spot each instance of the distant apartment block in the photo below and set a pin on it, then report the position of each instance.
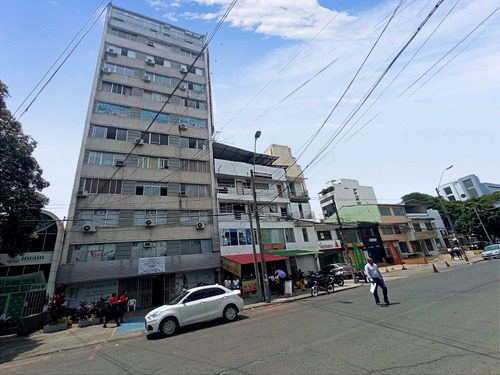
(467, 187)
(345, 192)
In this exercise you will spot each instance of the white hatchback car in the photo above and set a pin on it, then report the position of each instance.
(195, 305)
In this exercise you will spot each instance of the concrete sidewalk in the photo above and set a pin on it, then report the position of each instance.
(16, 348)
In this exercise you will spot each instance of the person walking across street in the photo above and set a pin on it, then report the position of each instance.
(375, 277)
(122, 304)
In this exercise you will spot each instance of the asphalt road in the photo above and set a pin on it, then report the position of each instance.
(440, 323)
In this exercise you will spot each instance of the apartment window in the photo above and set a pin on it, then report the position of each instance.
(191, 103)
(194, 190)
(305, 235)
(164, 80)
(101, 218)
(397, 230)
(324, 235)
(236, 237)
(200, 144)
(116, 88)
(167, 63)
(398, 211)
(104, 158)
(150, 115)
(154, 96)
(428, 245)
(108, 132)
(417, 227)
(151, 189)
(385, 211)
(191, 121)
(289, 235)
(261, 186)
(149, 162)
(469, 185)
(387, 230)
(102, 186)
(119, 69)
(196, 87)
(226, 208)
(199, 72)
(270, 236)
(112, 109)
(155, 138)
(194, 166)
(428, 226)
(124, 34)
(403, 247)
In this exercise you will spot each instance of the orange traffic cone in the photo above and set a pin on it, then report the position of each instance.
(447, 265)
(392, 268)
(435, 269)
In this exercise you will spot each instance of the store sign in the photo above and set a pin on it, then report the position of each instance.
(329, 245)
(231, 266)
(90, 292)
(26, 258)
(394, 252)
(275, 246)
(151, 265)
(82, 254)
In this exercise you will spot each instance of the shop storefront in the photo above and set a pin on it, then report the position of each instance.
(242, 265)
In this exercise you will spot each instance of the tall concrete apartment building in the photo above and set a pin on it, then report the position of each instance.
(141, 215)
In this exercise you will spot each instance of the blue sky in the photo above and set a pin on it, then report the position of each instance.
(276, 46)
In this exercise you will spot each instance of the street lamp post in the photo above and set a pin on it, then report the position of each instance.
(441, 199)
(265, 280)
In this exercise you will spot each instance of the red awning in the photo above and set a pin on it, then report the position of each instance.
(248, 258)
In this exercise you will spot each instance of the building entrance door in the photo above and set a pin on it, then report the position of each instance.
(158, 292)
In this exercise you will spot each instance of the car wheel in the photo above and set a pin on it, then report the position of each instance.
(168, 327)
(230, 313)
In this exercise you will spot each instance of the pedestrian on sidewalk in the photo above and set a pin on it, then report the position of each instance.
(122, 304)
(450, 251)
(458, 253)
(113, 311)
(302, 282)
(375, 277)
(236, 283)
(227, 283)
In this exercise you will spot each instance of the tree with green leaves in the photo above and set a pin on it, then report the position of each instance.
(466, 214)
(21, 183)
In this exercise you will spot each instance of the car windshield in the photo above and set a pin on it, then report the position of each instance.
(177, 299)
(492, 247)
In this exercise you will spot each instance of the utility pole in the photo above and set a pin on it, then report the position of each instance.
(454, 232)
(479, 218)
(255, 261)
(265, 280)
(342, 240)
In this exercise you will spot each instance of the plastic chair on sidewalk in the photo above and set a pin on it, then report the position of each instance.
(131, 303)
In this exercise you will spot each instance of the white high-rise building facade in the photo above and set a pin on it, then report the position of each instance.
(141, 215)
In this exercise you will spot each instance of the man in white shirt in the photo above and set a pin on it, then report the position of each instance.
(375, 277)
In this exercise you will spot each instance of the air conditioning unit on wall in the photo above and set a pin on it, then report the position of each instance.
(149, 223)
(89, 228)
(200, 226)
(82, 193)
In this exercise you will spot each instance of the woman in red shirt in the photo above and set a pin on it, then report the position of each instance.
(122, 303)
(114, 311)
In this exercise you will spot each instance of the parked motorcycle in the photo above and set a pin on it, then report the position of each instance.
(322, 283)
(360, 275)
(339, 278)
